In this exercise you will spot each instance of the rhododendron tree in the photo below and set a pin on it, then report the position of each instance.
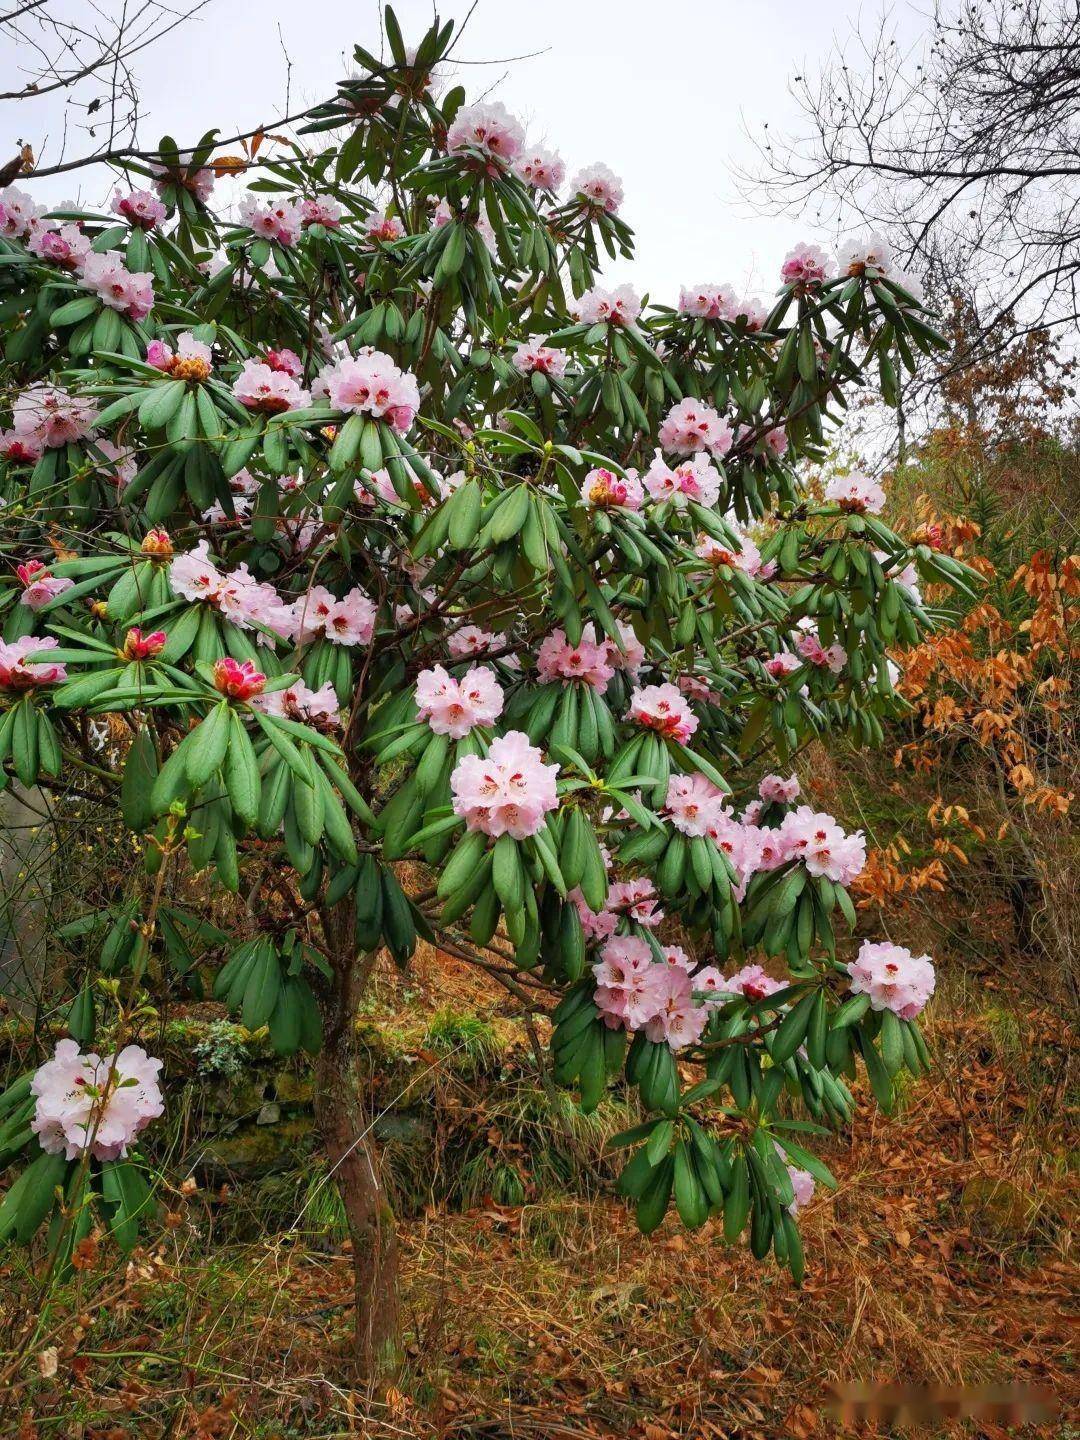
(387, 534)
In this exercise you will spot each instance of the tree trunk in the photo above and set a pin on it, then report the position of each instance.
(345, 1126)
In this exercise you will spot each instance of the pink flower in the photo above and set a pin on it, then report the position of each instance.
(636, 899)
(286, 361)
(859, 494)
(199, 183)
(825, 657)
(676, 956)
(743, 844)
(745, 556)
(509, 791)
(600, 187)
(621, 306)
(119, 467)
(380, 226)
(802, 1182)
(776, 441)
(322, 210)
(471, 640)
(351, 620)
(18, 214)
(678, 1020)
(691, 426)
(65, 245)
(529, 358)
(709, 982)
(630, 987)
(194, 576)
(371, 384)
(139, 208)
(604, 490)
(753, 983)
(822, 845)
(541, 169)
(632, 655)
(779, 790)
(751, 311)
(267, 391)
(279, 221)
(489, 128)
(299, 702)
(51, 417)
(20, 449)
(19, 672)
(86, 1102)
(707, 302)
(782, 664)
(805, 265)
(869, 255)
(39, 586)
(138, 646)
(693, 804)
(455, 707)
(664, 709)
(698, 689)
(587, 661)
(238, 679)
(893, 977)
(596, 924)
(159, 354)
(129, 292)
(693, 479)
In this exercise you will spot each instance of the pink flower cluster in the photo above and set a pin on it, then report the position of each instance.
(857, 493)
(348, 621)
(868, 255)
(127, 291)
(44, 417)
(63, 245)
(371, 384)
(456, 707)
(280, 221)
(635, 991)
(694, 479)
(600, 187)
(822, 845)
(39, 586)
(529, 358)
(690, 426)
(506, 792)
(604, 490)
(806, 265)
(299, 702)
(752, 983)
(489, 128)
(199, 183)
(19, 672)
(19, 216)
(777, 790)
(663, 708)
(191, 360)
(540, 169)
(893, 977)
(708, 302)
(745, 557)
(268, 391)
(589, 661)
(635, 899)
(380, 226)
(823, 657)
(802, 1182)
(95, 1103)
(620, 306)
(139, 208)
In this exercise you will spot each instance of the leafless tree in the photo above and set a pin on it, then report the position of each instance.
(964, 149)
(88, 49)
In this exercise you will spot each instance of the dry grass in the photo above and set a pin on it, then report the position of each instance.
(555, 1319)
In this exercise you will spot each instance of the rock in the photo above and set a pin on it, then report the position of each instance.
(998, 1205)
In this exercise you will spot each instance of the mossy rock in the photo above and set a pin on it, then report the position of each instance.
(258, 1150)
(998, 1206)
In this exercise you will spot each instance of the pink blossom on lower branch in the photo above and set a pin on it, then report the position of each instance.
(776, 788)
(52, 417)
(506, 792)
(690, 425)
(604, 490)
(371, 384)
(455, 707)
(39, 586)
(693, 479)
(893, 977)
(588, 661)
(860, 494)
(129, 292)
(238, 679)
(267, 391)
(95, 1103)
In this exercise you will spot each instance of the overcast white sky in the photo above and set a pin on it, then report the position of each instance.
(659, 91)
